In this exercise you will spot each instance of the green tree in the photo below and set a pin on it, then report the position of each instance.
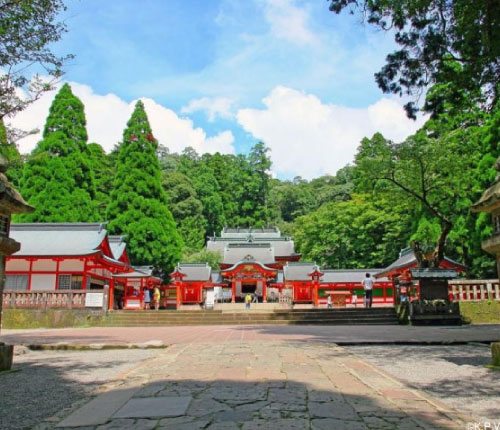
(207, 188)
(27, 29)
(213, 258)
(12, 155)
(434, 173)
(186, 208)
(58, 178)
(260, 165)
(102, 167)
(138, 207)
(432, 34)
(363, 232)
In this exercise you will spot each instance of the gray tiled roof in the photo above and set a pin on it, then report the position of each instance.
(195, 271)
(261, 252)
(58, 239)
(298, 271)
(117, 245)
(353, 275)
(407, 258)
(282, 246)
(243, 233)
(433, 273)
(139, 272)
(216, 276)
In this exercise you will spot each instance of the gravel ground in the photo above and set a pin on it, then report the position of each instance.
(457, 375)
(45, 384)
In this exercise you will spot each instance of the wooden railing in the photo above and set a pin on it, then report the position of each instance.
(68, 299)
(464, 290)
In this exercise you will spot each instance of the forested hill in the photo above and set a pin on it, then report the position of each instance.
(168, 203)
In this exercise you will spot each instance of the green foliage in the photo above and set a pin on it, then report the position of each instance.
(186, 209)
(213, 258)
(360, 233)
(10, 152)
(138, 203)
(103, 173)
(58, 179)
(27, 29)
(432, 35)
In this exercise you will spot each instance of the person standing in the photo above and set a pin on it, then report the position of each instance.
(368, 287)
(329, 301)
(156, 298)
(248, 300)
(147, 299)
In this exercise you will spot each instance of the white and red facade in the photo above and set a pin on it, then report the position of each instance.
(73, 256)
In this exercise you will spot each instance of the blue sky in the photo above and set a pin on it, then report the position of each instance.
(223, 74)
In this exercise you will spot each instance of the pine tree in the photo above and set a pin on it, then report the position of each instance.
(138, 206)
(58, 178)
(102, 167)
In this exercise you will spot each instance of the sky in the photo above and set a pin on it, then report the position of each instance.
(221, 75)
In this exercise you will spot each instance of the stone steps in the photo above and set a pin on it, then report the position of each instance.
(309, 316)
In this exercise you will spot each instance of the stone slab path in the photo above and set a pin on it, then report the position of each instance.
(260, 385)
(191, 334)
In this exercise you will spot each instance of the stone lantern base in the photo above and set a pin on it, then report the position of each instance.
(6, 355)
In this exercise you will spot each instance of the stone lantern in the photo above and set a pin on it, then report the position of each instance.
(490, 203)
(10, 202)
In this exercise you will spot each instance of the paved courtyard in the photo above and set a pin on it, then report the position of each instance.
(255, 378)
(261, 385)
(345, 334)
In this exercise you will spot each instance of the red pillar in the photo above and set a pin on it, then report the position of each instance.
(111, 294)
(84, 277)
(316, 294)
(178, 300)
(233, 291)
(264, 291)
(30, 274)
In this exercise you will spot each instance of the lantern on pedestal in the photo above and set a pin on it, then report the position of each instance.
(10, 202)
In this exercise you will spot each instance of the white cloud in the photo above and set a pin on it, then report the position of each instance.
(213, 106)
(310, 138)
(107, 116)
(288, 21)
(178, 133)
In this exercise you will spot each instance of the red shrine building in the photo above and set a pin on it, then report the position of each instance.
(75, 256)
(259, 261)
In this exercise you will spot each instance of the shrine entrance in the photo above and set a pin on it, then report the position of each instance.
(248, 278)
(248, 288)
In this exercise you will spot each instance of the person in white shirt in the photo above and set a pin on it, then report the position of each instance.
(368, 287)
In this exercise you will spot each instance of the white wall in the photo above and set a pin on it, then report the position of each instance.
(74, 265)
(44, 266)
(17, 265)
(43, 282)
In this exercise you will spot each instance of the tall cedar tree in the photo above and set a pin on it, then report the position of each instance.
(138, 205)
(58, 178)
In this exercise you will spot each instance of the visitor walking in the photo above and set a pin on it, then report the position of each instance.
(255, 299)
(147, 299)
(248, 300)
(156, 298)
(368, 287)
(329, 301)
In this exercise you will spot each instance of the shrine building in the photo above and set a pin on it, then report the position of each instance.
(74, 257)
(261, 262)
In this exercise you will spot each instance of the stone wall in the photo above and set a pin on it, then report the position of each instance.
(50, 318)
(482, 312)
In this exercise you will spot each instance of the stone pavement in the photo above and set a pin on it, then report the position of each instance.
(189, 334)
(260, 385)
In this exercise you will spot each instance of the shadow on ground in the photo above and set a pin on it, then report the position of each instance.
(47, 385)
(275, 404)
